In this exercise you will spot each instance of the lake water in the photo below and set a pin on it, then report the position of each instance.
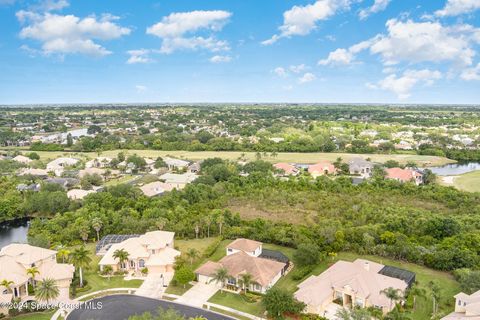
(13, 231)
(454, 169)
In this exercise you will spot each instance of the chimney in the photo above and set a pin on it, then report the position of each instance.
(366, 265)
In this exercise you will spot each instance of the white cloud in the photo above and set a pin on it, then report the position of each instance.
(220, 59)
(139, 56)
(378, 5)
(307, 77)
(66, 34)
(298, 68)
(344, 56)
(140, 88)
(470, 74)
(281, 72)
(457, 7)
(422, 41)
(301, 20)
(173, 30)
(402, 85)
(52, 5)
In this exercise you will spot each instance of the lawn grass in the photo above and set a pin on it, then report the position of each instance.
(178, 290)
(237, 302)
(230, 314)
(95, 282)
(468, 182)
(233, 155)
(122, 179)
(46, 315)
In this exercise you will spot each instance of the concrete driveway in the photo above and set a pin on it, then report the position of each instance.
(154, 285)
(120, 307)
(199, 294)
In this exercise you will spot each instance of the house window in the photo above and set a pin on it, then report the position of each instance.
(231, 281)
(359, 302)
(132, 264)
(229, 250)
(459, 302)
(257, 287)
(141, 263)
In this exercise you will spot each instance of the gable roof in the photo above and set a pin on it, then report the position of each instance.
(321, 166)
(243, 244)
(286, 167)
(155, 188)
(404, 175)
(263, 271)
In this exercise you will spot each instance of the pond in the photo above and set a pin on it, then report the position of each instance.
(454, 169)
(13, 232)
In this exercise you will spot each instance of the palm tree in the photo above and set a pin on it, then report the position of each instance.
(435, 295)
(220, 220)
(397, 314)
(62, 252)
(192, 254)
(7, 284)
(220, 275)
(81, 259)
(97, 225)
(121, 255)
(47, 290)
(246, 281)
(32, 272)
(415, 292)
(392, 294)
(207, 220)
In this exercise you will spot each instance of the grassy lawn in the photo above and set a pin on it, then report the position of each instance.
(123, 179)
(178, 290)
(468, 181)
(237, 302)
(281, 157)
(36, 316)
(96, 282)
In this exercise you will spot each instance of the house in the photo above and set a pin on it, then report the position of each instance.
(175, 164)
(153, 250)
(58, 165)
(16, 258)
(156, 188)
(99, 162)
(66, 183)
(404, 175)
(78, 194)
(34, 187)
(41, 173)
(321, 168)
(467, 307)
(194, 167)
(22, 159)
(245, 256)
(287, 168)
(361, 167)
(352, 284)
(179, 181)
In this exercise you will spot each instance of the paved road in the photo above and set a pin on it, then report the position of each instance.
(120, 307)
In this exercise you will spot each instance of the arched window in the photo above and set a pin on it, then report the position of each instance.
(141, 263)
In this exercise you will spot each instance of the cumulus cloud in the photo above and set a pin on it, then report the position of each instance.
(307, 77)
(175, 28)
(402, 85)
(139, 56)
(67, 34)
(220, 59)
(457, 7)
(140, 88)
(470, 74)
(301, 20)
(378, 5)
(344, 56)
(298, 68)
(281, 72)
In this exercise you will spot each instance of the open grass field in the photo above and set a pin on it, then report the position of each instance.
(423, 276)
(35, 316)
(467, 182)
(280, 157)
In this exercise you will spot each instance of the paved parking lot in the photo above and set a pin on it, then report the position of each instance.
(120, 307)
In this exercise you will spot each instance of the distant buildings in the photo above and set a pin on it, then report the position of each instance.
(321, 168)
(361, 167)
(467, 307)
(404, 175)
(287, 168)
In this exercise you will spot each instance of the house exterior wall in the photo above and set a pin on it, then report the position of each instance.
(255, 253)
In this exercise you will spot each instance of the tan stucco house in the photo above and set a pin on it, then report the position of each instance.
(467, 307)
(153, 250)
(350, 284)
(244, 256)
(16, 258)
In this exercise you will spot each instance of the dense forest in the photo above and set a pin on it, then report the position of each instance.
(430, 225)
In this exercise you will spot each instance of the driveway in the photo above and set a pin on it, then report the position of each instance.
(153, 286)
(121, 307)
(199, 294)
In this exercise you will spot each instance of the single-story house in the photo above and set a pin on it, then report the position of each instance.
(321, 168)
(404, 175)
(179, 181)
(175, 163)
(58, 165)
(156, 188)
(352, 284)
(287, 168)
(78, 194)
(16, 258)
(467, 307)
(22, 159)
(99, 162)
(244, 256)
(66, 183)
(41, 173)
(361, 167)
(153, 250)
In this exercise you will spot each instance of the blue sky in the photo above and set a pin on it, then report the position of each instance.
(353, 51)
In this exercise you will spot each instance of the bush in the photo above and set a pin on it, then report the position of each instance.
(301, 272)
